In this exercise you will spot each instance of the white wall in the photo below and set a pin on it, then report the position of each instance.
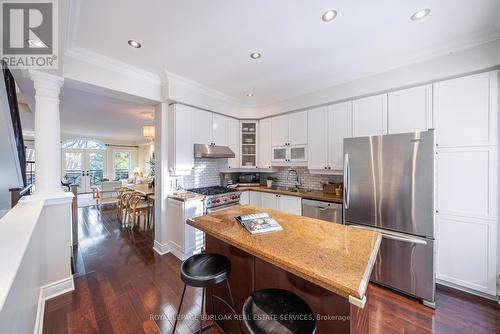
(144, 154)
(35, 240)
(455, 64)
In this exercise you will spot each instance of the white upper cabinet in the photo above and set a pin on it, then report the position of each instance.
(465, 110)
(290, 129)
(317, 138)
(181, 152)
(369, 116)
(219, 130)
(265, 147)
(233, 141)
(410, 110)
(280, 130)
(201, 126)
(297, 128)
(328, 126)
(340, 127)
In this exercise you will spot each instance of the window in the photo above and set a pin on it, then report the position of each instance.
(122, 164)
(83, 144)
(30, 165)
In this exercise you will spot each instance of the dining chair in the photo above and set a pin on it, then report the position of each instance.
(138, 208)
(124, 209)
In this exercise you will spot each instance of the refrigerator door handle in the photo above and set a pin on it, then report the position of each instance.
(347, 181)
(394, 236)
(404, 239)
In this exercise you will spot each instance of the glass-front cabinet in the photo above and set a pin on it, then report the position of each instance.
(248, 144)
(286, 154)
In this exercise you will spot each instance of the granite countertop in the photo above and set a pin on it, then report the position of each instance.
(336, 257)
(185, 196)
(315, 194)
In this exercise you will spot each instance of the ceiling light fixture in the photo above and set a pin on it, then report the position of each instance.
(250, 94)
(329, 15)
(255, 55)
(134, 44)
(148, 132)
(420, 14)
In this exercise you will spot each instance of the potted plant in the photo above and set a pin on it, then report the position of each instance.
(269, 181)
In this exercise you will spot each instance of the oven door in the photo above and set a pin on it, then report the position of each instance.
(220, 208)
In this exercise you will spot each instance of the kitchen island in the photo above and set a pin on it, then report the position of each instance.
(328, 265)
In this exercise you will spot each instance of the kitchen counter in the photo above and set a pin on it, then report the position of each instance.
(336, 257)
(185, 196)
(327, 265)
(314, 195)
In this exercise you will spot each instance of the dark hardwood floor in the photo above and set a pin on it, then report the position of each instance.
(123, 286)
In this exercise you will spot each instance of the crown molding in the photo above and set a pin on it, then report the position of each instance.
(108, 63)
(175, 79)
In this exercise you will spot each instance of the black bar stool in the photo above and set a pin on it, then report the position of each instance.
(277, 311)
(202, 271)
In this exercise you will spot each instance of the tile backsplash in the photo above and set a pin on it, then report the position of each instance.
(205, 174)
(307, 180)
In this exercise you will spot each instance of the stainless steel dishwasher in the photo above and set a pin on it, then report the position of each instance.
(328, 211)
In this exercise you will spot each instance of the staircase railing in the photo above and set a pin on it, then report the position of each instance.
(10, 86)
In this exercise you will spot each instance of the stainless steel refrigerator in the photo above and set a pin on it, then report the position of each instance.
(389, 186)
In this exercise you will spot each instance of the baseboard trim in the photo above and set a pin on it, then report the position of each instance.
(160, 248)
(49, 291)
(467, 290)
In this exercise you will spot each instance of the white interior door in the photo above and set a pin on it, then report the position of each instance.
(83, 167)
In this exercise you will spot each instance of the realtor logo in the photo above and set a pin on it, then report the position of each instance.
(29, 34)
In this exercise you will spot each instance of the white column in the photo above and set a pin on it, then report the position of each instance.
(47, 133)
(161, 179)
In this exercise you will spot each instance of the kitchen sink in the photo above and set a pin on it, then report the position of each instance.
(291, 189)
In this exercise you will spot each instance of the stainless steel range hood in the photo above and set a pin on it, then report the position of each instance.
(212, 151)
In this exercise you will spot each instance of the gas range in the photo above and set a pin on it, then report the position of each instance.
(218, 198)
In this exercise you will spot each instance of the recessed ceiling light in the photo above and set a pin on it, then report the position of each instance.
(134, 44)
(35, 43)
(255, 55)
(250, 94)
(420, 14)
(329, 15)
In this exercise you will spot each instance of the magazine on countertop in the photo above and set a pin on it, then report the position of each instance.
(259, 223)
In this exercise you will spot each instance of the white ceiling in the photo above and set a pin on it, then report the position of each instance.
(90, 115)
(210, 41)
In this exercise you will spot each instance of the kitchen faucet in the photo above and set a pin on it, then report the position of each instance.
(296, 181)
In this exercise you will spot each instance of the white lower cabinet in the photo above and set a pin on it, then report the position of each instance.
(245, 197)
(288, 204)
(466, 253)
(255, 198)
(270, 201)
(466, 223)
(184, 240)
